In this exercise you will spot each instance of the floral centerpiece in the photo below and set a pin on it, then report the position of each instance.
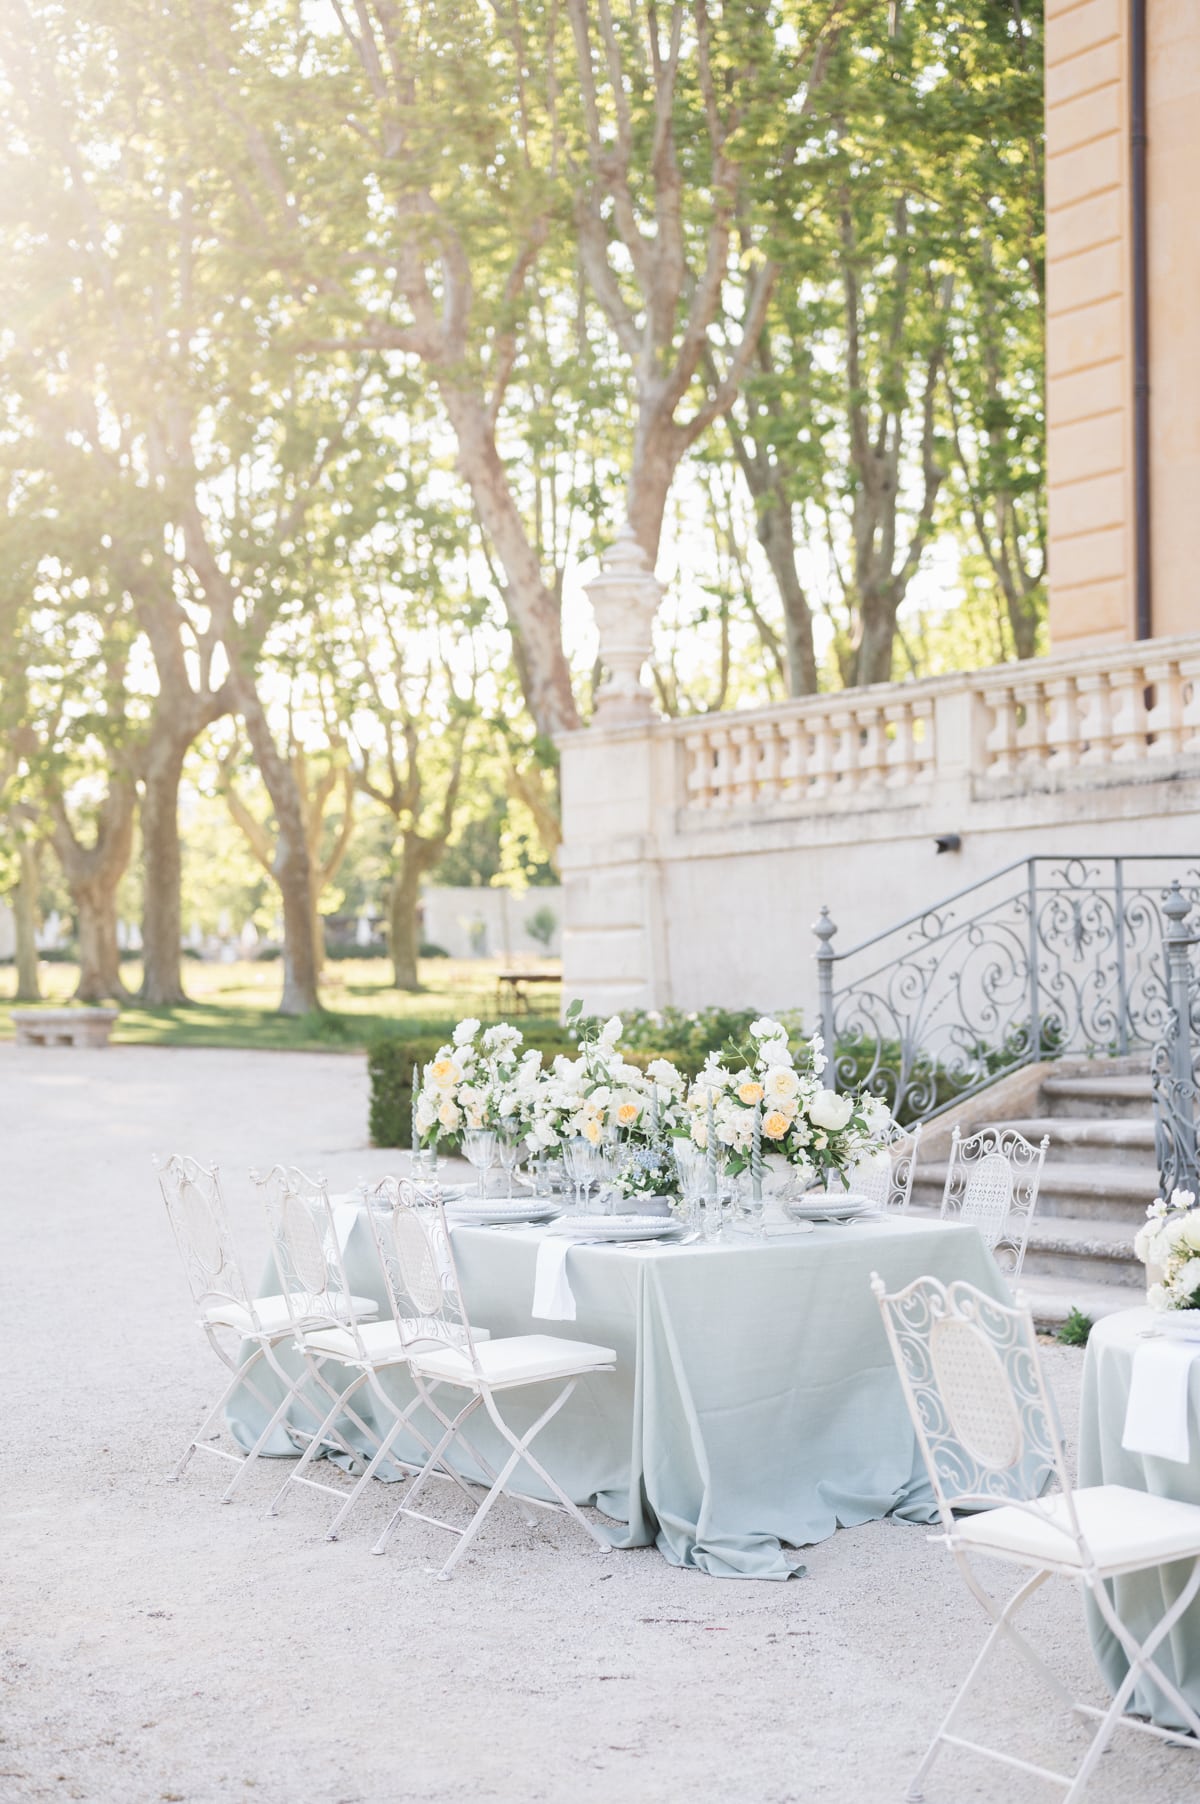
(1169, 1239)
(798, 1120)
(597, 1094)
(480, 1079)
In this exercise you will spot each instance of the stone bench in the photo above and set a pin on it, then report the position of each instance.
(63, 1026)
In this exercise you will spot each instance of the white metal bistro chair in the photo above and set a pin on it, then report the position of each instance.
(330, 1326)
(444, 1350)
(975, 1390)
(887, 1175)
(231, 1318)
(992, 1181)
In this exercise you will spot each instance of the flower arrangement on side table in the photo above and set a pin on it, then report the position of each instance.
(481, 1079)
(1169, 1239)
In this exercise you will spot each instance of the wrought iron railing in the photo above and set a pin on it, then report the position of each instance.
(1175, 1060)
(1045, 957)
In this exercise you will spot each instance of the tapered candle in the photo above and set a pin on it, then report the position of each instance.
(415, 1137)
(654, 1113)
(710, 1149)
(756, 1157)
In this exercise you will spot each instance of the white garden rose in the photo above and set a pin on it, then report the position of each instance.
(1188, 1232)
(1145, 1243)
(610, 1033)
(466, 1030)
(829, 1110)
(450, 1115)
(781, 1083)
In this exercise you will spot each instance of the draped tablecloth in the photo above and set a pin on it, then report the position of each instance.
(1141, 1598)
(754, 1403)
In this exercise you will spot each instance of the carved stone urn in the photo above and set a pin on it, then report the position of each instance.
(624, 597)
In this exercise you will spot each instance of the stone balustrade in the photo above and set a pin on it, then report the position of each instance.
(1018, 723)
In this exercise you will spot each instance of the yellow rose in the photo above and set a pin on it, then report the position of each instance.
(443, 1072)
(750, 1094)
(591, 1130)
(628, 1112)
(775, 1126)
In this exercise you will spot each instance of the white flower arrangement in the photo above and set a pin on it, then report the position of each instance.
(1170, 1239)
(476, 1081)
(801, 1121)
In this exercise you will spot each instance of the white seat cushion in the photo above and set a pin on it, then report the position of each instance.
(381, 1343)
(517, 1359)
(273, 1312)
(1122, 1528)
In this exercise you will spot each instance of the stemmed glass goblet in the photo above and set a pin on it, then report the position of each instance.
(479, 1144)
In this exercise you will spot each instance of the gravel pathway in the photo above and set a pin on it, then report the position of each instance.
(154, 1646)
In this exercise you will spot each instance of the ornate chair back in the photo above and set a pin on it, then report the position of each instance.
(992, 1182)
(312, 1273)
(887, 1175)
(196, 1212)
(976, 1393)
(413, 1241)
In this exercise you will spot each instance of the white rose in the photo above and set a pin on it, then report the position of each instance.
(781, 1083)
(829, 1110)
(610, 1033)
(466, 1030)
(766, 1029)
(1188, 1233)
(449, 1115)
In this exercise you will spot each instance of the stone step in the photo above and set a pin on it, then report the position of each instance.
(1082, 1252)
(1106, 1098)
(1051, 1298)
(1117, 1193)
(1083, 1139)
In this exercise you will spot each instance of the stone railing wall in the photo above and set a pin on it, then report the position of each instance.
(698, 852)
(1034, 722)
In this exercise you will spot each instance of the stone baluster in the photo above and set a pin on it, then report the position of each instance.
(698, 765)
(1000, 746)
(1164, 720)
(743, 775)
(771, 740)
(1127, 713)
(1095, 717)
(901, 748)
(871, 745)
(1189, 685)
(1030, 709)
(722, 775)
(924, 731)
(844, 732)
(1062, 723)
(821, 739)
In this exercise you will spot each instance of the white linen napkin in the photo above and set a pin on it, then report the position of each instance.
(553, 1298)
(1156, 1416)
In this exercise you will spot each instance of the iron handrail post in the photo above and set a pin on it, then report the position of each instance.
(825, 928)
(1178, 940)
(1122, 981)
(1035, 1007)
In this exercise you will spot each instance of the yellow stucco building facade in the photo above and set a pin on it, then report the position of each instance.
(1123, 318)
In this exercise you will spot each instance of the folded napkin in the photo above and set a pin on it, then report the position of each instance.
(553, 1298)
(1156, 1417)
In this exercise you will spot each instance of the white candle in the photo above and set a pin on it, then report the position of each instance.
(756, 1158)
(711, 1150)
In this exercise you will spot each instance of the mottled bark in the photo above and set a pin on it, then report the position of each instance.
(404, 938)
(24, 901)
(162, 871)
(93, 874)
(291, 865)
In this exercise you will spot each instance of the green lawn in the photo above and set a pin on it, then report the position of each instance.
(235, 1005)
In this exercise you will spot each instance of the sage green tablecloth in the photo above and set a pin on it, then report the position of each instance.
(1141, 1599)
(754, 1401)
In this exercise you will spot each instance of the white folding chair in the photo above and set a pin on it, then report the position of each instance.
(227, 1311)
(992, 1182)
(330, 1327)
(975, 1390)
(886, 1176)
(443, 1350)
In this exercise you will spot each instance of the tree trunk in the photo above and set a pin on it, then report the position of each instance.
(25, 924)
(318, 924)
(99, 955)
(777, 537)
(403, 924)
(873, 662)
(292, 866)
(657, 450)
(162, 871)
(533, 613)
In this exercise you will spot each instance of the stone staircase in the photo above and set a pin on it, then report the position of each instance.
(1099, 1175)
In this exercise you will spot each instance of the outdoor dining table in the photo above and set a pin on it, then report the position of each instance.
(1141, 1598)
(754, 1403)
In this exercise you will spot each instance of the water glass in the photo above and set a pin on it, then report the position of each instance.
(512, 1141)
(479, 1144)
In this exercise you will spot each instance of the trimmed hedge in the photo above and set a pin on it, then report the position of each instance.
(390, 1063)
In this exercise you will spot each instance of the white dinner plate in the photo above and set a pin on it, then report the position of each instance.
(830, 1206)
(620, 1227)
(476, 1214)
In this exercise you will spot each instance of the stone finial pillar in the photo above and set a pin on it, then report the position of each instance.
(624, 597)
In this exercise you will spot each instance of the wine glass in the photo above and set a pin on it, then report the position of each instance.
(690, 1165)
(511, 1142)
(479, 1144)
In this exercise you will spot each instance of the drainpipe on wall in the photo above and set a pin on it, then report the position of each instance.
(1141, 318)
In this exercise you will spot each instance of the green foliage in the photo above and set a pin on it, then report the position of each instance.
(540, 925)
(1075, 1330)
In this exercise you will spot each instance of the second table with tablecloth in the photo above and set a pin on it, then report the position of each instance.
(754, 1405)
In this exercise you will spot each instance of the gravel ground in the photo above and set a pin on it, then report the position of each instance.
(155, 1646)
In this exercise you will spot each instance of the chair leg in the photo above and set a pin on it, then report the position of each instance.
(565, 1503)
(318, 1441)
(238, 1378)
(419, 1483)
(1001, 1627)
(403, 1419)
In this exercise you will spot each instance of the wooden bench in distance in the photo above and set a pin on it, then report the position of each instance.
(63, 1026)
